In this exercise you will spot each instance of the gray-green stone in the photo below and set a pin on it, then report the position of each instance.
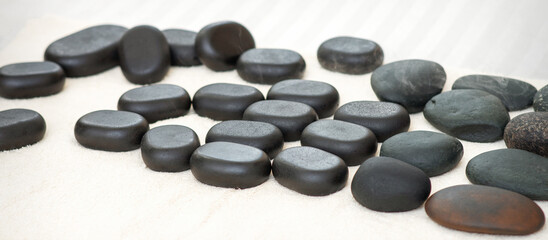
(540, 101)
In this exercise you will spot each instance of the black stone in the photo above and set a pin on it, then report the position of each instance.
(264, 136)
(310, 171)
(410, 83)
(383, 118)
(350, 55)
(389, 185)
(351, 142)
(540, 101)
(181, 47)
(220, 44)
(87, 52)
(156, 102)
(514, 94)
(20, 127)
(434, 153)
(269, 66)
(471, 115)
(230, 165)
(528, 131)
(321, 96)
(31, 79)
(110, 130)
(168, 148)
(290, 117)
(144, 55)
(225, 101)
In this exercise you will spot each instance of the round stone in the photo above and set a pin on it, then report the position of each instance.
(31, 79)
(350, 55)
(181, 47)
(225, 101)
(20, 127)
(528, 131)
(540, 101)
(269, 66)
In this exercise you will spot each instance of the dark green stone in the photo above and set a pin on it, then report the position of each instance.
(540, 101)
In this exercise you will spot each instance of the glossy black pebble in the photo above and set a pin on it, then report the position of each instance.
(225, 101)
(87, 52)
(110, 130)
(528, 131)
(540, 101)
(181, 47)
(310, 171)
(230, 165)
(31, 79)
(321, 96)
(351, 142)
(269, 66)
(20, 127)
(156, 102)
(168, 148)
(264, 136)
(350, 55)
(389, 185)
(144, 55)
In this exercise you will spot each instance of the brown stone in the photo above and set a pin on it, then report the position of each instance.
(529, 132)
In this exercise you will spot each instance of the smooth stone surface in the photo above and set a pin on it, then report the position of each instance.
(290, 117)
(383, 118)
(310, 171)
(483, 209)
(144, 55)
(269, 66)
(225, 101)
(321, 96)
(351, 142)
(471, 115)
(350, 55)
(20, 127)
(110, 130)
(230, 165)
(264, 136)
(181, 47)
(434, 153)
(168, 148)
(513, 93)
(220, 44)
(528, 131)
(410, 83)
(156, 102)
(389, 185)
(540, 101)
(31, 79)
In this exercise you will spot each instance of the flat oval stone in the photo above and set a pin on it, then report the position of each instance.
(386, 184)
(410, 83)
(109, 130)
(156, 102)
(513, 93)
(269, 66)
(144, 55)
(323, 97)
(230, 165)
(310, 171)
(540, 101)
(87, 52)
(225, 101)
(31, 79)
(350, 55)
(264, 136)
(483, 209)
(168, 148)
(471, 115)
(351, 142)
(434, 153)
(220, 44)
(528, 131)
(290, 117)
(20, 127)
(383, 118)
(181, 47)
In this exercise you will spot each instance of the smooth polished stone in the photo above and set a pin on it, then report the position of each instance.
(269, 66)
(410, 83)
(471, 115)
(230, 165)
(109, 130)
(310, 171)
(31, 79)
(383, 118)
(540, 101)
(483, 209)
(181, 47)
(350, 55)
(225, 101)
(20, 127)
(528, 131)
(323, 97)
(351, 142)
(156, 102)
